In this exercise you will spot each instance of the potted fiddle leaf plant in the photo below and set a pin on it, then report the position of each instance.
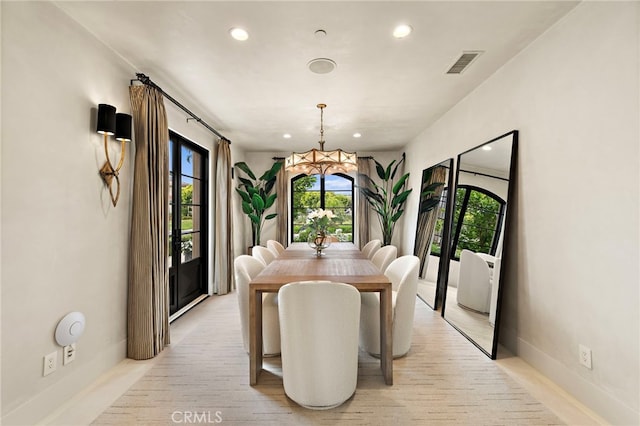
(388, 197)
(257, 196)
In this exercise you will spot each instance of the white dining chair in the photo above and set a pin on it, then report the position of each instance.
(319, 323)
(384, 256)
(263, 254)
(474, 282)
(371, 248)
(275, 247)
(403, 274)
(245, 269)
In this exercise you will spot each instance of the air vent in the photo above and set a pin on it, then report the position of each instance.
(464, 61)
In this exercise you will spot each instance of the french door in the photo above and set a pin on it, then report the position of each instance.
(187, 222)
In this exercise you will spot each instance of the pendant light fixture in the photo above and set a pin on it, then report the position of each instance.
(319, 161)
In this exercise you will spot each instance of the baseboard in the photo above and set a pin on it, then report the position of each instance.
(42, 405)
(592, 396)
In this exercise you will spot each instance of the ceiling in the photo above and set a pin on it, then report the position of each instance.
(253, 92)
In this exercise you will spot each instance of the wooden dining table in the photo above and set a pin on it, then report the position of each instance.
(341, 262)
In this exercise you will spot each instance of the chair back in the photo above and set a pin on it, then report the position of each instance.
(263, 254)
(319, 322)
(474, 282)
(403, 274)
(495, 285)
(370, 248)
(275, 247)
(384, 257)
(245, 268)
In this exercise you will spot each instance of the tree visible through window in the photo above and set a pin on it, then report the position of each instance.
(329, 192)
(477, 220)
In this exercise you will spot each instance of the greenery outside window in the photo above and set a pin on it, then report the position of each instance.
(477, 221)
(329, 192)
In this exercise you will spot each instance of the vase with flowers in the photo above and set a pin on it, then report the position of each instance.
(318, 225)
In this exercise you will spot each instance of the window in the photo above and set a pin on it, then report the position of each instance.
(187, 227)
(330, 192)
(436, 243)
(477, 220)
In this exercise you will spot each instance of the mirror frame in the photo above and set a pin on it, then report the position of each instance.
(443, 260)
(505, 256)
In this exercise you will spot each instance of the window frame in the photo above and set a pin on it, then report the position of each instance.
(323, 192)
(456, 222)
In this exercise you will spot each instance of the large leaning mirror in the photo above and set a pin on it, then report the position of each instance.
(478, 229)
(432, 231)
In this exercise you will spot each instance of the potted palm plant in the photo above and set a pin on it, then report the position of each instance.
(257, 197)
(387, 198)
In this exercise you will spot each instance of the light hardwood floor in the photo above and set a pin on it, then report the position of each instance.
(444, 380)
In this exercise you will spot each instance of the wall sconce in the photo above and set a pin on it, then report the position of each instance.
(110, 123)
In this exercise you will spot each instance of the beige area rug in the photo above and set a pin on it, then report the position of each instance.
(445, 380)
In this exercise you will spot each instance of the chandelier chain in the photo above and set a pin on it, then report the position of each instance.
(321, 106)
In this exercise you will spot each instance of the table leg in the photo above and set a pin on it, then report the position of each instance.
(255, 335)
(386, 337)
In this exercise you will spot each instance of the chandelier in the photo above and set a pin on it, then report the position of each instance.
(319, 160)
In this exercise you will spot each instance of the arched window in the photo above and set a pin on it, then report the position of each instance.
(329, 192)
(477, 221)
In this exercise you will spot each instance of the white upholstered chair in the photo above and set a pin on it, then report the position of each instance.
(263, 254)
(371, 248)
(474, 282)
(495, 284)
(319, 328)
(403, 274)
(245, 269)
(384, 257)
(275, 247)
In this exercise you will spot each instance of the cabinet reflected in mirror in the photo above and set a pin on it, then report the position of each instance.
(432, 231)
(478, 229)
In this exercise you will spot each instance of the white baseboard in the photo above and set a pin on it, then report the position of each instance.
(602, 403)
(42, 405)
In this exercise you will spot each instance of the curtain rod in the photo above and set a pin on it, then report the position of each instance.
(147, 81)
(483, 174)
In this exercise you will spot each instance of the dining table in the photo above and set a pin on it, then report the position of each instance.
(341, 262)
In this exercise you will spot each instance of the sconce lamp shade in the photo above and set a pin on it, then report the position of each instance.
(123, 127)
(106, 119)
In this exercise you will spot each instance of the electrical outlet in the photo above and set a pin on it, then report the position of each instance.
(50, 363)
(584, 355)
(68, 354)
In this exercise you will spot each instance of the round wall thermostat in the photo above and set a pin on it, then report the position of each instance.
(70, 328)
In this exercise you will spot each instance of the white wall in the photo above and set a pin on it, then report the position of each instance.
(573, 273)
(64, 246)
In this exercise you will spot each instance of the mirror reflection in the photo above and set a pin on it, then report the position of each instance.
(479, 219)
(432, 230)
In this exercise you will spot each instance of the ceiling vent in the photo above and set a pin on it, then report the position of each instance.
(464, 61)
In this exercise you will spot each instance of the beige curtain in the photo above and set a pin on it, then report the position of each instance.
(427, 220)
(148, 293)
(223, 248)
(363, 206)
(282, 206)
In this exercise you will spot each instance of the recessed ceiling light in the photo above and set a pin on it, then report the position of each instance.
(321, 65)
(286, 136)
(239, 34)
(401, 31)
(356, 135)
(486, 148)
